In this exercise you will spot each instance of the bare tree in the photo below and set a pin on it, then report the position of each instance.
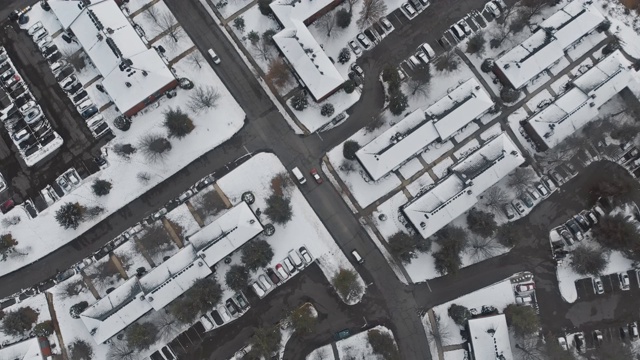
(168, 24)
(144, 177)
(278, 74)
(418, 86)
(75, 58)
(262, 50)
(439, 331)
(155, 147)
(521, 178)
(495, 197)
(152, 13)
(529, 348)
(196, 59)
(372, 10)
(351, 3)
(120, 351)
(327, 22)
(166, 324)
(482, 248)
(204, 98)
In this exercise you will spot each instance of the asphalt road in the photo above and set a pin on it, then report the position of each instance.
(386, 298)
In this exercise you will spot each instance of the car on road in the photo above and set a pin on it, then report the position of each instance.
(386, 25)
(525, 287)
(493, 9)
(517, 204)
(623, 277)
(409, 10)
(362, 38)
(597, 286)
(563, 343)
(575, 230)
(355, 48)
(597, 337)
(316, 176)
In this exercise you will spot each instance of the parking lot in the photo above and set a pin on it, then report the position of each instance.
(611, 284)
(79, 147)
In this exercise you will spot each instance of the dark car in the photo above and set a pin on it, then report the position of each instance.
(342, 334)
(54, 57)
(216, 317)
(7, 205)
(79, 96)
(64, 73)
(50, 50)
(232, 308)
(272, 275)
(101, 129)
(241, 301)
(89, 112)
(74, 89)
(582, 222)
(575, 229)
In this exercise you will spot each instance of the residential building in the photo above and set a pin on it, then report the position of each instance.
(579, 105)
(113, 313)
(226, 234)
(36, 348)
(489, 338)
(458, 192)
(422, 128)
(548, 44)
(310, 63)
(134, 75)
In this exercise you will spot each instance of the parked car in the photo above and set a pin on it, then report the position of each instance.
(597, 286)
(159, 214)
(73, 178)
(582, 221)
(517, 204)
(566, 235)
(575, 230)
(493, 9)
(423, 57)
(216, 317)
(597, 337)
(563, 343)
(355, 48)
(428, 50)
(240, 299)
(89, 112)
(80, 97)
(305, 255)
(509, 211)
(39, 34)
(362, 38)
(633, 331)
(409, 10)
(64, 184)
(579, 340)
(386, 25)
(224, 313)
(528, 201)
(541, 189)
(272, 275)
(289, 265)
(549, 184)
(7, 206)
(357, 70)
(524, 300)
(35, 28)
(534, 194)
(559, 179)
(589, 215)
(206, 323)
(232, 307)
(525, 287)
(20, 136)
(32, 115)
(64, 73)
(184, 196)
(623, 277)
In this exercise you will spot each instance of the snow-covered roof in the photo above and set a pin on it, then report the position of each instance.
(396, 145)
(458, 192)
(301, 49)
(308, 59)
(116, 50)
(220, 238)
(579, 105)
(544, 47)
(116, 311)
(417, 130)
(24, 350)
(459, 107)
(173, 277)
(490, 338)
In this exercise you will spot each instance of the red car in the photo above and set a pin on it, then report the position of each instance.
(316, 176)
(6, 206)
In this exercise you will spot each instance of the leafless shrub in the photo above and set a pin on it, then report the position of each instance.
(155, 147)
(203, 98)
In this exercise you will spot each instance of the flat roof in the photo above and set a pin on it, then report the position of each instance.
(394, 146)
(172, 278)
(544, 47)
(226, 234)
(578, 106)
(459, 191)
(113, 313)
(458, 108)
(490, 338)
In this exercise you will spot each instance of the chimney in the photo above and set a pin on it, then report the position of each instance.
(128, 84)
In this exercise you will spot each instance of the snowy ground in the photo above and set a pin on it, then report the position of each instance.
(357, 346)
(123, 173)
(104, 275)
(255, 175)
(498, 295)
(151, 27)
(182, 217)
(131, 258)
(311, 117)
(229, 7)
(39, 304)
(321, 353)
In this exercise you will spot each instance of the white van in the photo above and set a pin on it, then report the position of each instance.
(265, 283)
(357, 256)
(298, 174)
(297, 260)
(257, 289)
(414, 61)
(428, 50)
(206, 323)
(214, 57)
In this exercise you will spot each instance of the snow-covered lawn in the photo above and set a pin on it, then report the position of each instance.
(460, 354)
(321, 353)
(538, 102)
(230, 7)
(442, 168)
(498, 295)
(435, 151)
(491, 132)
(466, 149)
(151, 27)
(420, 184)
(391, 209)
(255, 175)
(466, 132)
(38, 304)
(255, 21)
(174, 49)
(312, 118)
(182, 217)
(131, 258)
(357, 346)
(411, 168)
(124, 174)
(104, 275)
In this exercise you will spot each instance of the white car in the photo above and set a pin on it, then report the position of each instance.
(386, 25)
(363, 40)
(597, 286)
(563, 343)
(40, 34)
(428, 50)
(409, 10)
(34, 28)
(3, 183)
(624, 281)
(493, 9)
(423, 57)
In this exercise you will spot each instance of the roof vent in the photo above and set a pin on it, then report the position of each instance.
(110, 31)
(128, 84)
(144, 73)
(593, 96)
(99, 37)
(142, 297)
(150, 298)
(592, 104)
(200, 263)
(423, 224)
(251, 221)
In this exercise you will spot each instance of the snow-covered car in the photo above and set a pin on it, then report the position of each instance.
(132, 231)
(159, 214)
(527, 200)
(493, 9)
(84, 105)
(401, 74)
(598, 288)
(362, 38)
(428, 50)
(386, 25)
(623, 277)
(409, 11)
(542, 189)
(39, 34)
(44, 43)
(34, 28)
(73, 177)
(316, 176)
(28, 105)
(32, 115)
(355, 48)
(563, 343)
(422, 56)
(184, 196)
(20, 136)
(525, 287)
(508, 211)
(64, 184)
(517, 204)
(357, 69)
(3, 183)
